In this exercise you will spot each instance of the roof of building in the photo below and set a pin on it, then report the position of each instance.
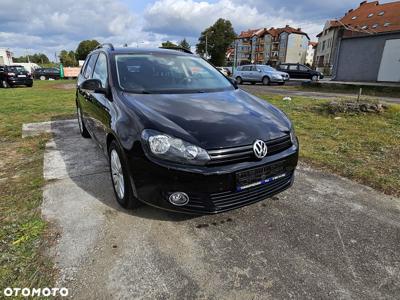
(370, 17)
(272, 31)
(314, 44)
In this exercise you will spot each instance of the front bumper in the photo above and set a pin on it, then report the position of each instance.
(210, 189)
(20, 81)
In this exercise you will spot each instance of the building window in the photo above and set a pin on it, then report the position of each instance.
(370, 15)
(386, 24)
(381, 13)
(364, 27)
(375, 26)
(353, 18)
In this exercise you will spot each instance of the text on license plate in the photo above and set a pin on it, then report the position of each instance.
(21, 76)
(264, 181)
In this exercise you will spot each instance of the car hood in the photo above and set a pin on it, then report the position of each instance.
(210, 120)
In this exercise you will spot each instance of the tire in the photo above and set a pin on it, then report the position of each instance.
(42, 77)
(253, 83)
(120, 178)
(281, 83)
(81, 123)
(5, 84)
(314, 78)
(239, 80)
(29, 85)
(266, 81)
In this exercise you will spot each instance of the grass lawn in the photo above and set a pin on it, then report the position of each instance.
(21, 180)
(378, 91)
(365, 148)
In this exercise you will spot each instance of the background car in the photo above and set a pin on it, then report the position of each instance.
(46, 73)
(300, 71)
(259, 73)
(14, 75)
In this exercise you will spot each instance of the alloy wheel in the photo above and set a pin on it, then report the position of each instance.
(117, 174)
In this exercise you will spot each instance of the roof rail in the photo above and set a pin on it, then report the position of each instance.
(177, 49)
(109, 45)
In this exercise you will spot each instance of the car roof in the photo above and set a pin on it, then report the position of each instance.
(127, 50)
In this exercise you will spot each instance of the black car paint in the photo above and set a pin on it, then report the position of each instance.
(307, 73)
(15, 80)
(210, 120)
(52, 73)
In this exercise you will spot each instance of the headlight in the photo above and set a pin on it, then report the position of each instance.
(173, 149)
(293, 137)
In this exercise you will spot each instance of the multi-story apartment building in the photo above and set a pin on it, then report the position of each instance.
(5, 57)
(369, 18)
(271, 46)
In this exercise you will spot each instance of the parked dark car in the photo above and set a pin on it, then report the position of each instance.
(11, 76)
(300, 71)
(46, 73)
(179, 135)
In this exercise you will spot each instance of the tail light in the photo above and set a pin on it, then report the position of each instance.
(10, 74)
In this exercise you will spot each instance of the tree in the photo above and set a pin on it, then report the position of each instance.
(84, 48)
(37, 58)
(219, 37)
(184, 44)
(168, 44)
(68, 59)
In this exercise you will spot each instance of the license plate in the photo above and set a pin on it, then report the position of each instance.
(259, 176)
(261, 182)
(21, 76)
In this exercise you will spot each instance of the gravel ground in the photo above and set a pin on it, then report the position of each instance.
(325, 238)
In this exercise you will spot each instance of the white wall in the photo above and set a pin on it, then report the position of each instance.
(297, 48)
(310, 55)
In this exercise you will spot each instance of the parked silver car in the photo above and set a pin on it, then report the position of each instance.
(259, 73)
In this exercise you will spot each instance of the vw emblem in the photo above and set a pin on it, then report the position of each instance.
(260, 149)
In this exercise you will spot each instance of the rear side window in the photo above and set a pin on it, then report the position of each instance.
(100, 70)
(90, 66)
(283, 67)
(246, 68)
(293, 67)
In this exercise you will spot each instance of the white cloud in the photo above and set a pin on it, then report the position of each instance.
(188, 18)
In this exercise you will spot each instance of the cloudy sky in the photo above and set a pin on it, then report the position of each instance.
(49, 26)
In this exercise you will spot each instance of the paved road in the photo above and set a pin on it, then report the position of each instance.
(326, 238)
(273, 89)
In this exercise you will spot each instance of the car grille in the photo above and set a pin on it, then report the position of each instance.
(245, 153)
(232, 199)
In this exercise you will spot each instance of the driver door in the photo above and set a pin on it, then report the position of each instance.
(100, 104)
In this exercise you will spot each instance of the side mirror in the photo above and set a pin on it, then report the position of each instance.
(94, 85)
(234, 82)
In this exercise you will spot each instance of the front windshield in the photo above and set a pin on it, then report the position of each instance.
(16, 69)
(168, 73)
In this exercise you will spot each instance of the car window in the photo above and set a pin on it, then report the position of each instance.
(303, 68)
(254, 68)
(90, 65)
(100, 70)
(246, 68)
(267, 69)
(16, 69)
(293, 67)
(283, 67)
(168, 73)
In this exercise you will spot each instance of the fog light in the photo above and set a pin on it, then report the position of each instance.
(178, 198)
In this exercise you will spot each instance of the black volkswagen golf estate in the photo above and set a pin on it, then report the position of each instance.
(179, 135)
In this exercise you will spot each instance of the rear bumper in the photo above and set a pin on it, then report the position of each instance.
(210, 189)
